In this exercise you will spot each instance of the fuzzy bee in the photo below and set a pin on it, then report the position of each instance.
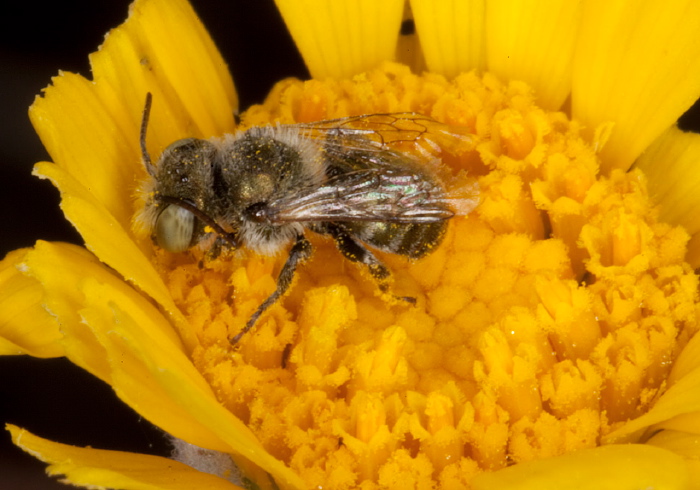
(263, 188)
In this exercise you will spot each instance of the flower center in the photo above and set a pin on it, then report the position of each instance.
(547, 317)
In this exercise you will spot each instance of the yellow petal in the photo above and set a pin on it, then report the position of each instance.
(135, 374)
(681, 398)
(116, 334)
(637, 64)
(110, 242)
(683, 443)
(687, 422)
(25, 326)
(73, 280)
(91, 129)
(85, 139)
(673, 176)
(163, 385)
(165, 44)
(687, 362)
(344, 37)
(451, 34)
(679, 404)
(603, 468)
(62, 269)
(114, 469)
(534, 44)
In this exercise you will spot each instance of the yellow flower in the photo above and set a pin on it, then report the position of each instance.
(553, 339)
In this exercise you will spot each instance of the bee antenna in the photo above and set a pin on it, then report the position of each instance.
(144, 125)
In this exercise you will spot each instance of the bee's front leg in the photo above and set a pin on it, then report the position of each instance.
(300, 251)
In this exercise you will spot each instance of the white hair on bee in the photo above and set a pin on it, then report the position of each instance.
(206, 460)
(269, 244)
(144, 219)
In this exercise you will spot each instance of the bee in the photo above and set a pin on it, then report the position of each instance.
(263, 188)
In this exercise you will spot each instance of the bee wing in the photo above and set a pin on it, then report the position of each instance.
(374, 166)
(404, 131)
(377, 194)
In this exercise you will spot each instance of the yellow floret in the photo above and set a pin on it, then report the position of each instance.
(544, 320)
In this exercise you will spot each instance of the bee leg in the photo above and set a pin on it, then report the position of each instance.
(300, 251)
(356, 252)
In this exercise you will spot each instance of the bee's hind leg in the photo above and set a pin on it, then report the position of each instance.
(356, 252)
(300, 251)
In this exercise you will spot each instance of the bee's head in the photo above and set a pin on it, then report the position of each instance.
(180, 197)
(183, 193)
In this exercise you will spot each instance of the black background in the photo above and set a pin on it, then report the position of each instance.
(53, 398)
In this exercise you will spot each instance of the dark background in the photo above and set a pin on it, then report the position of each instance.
(52, 398)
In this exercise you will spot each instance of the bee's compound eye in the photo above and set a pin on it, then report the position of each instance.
(174, 228)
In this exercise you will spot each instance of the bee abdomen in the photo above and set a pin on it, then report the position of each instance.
(413, 240)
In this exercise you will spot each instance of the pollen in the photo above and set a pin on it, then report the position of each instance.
(545, 319)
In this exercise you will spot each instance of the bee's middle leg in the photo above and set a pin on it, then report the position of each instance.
(355, 251)
(300, 251)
